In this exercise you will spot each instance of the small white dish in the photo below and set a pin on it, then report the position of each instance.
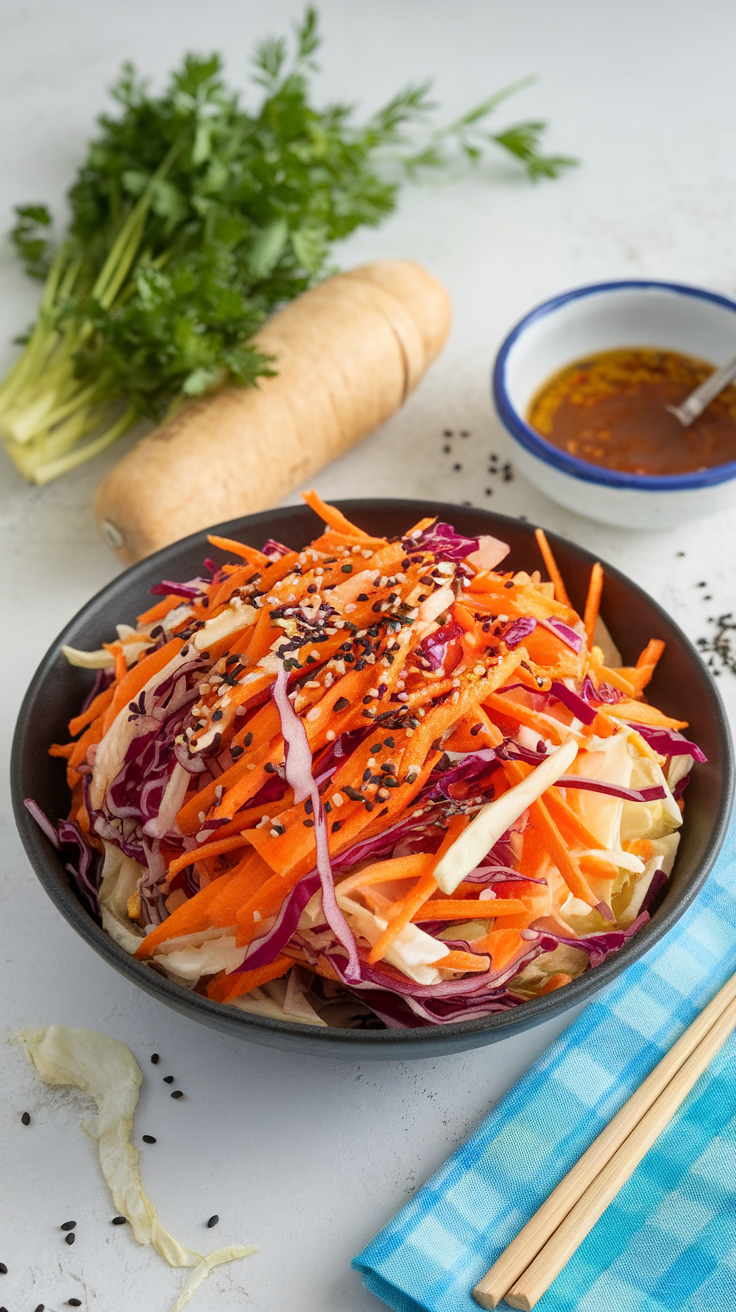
(599, 318)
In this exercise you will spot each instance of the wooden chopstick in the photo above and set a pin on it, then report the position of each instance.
(548, 1263)
(522, 1251)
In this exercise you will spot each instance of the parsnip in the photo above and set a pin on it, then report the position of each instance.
(348, 352)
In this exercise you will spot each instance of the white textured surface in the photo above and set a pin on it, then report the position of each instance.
(308, 1158)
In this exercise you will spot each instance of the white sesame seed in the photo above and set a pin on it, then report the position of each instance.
(479, 669)
(314, 713)
(330, 735)
(350, 607)
(256, 917)
(312, 683)
(337, 799)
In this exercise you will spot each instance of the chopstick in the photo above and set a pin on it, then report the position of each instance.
(559, 1226)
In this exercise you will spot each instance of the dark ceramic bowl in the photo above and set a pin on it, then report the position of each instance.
(681, 687)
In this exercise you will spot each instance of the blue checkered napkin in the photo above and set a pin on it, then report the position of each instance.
(667, 1243)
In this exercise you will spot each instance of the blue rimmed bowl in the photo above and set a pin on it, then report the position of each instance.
(603, 317)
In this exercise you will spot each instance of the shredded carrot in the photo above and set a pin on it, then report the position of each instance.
(410, 905)
(647, 664)
(552, 570)
(229, 987)
(593, 602)
(554, 982)
(446, 908)
(462, 961)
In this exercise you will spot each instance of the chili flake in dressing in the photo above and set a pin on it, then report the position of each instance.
(611, 409)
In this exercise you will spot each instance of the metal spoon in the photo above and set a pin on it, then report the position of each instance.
(694, 405)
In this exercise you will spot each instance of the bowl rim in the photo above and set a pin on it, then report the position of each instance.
(582, 470)
(373, 1043)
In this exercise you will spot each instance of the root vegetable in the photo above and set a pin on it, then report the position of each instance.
(348, 352)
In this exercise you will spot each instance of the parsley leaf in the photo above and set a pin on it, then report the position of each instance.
(191, 220)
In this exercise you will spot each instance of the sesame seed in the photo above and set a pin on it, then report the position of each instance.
(70, 1237)
(3, 1269)
(120, 1220)
(74, 1302)
(177, 1093)
(25, 1118)
(212, 1221)
(68, 1225)
(148, 1138)
(155, 1059)
(168, 1079)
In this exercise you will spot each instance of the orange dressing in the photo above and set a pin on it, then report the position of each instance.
(610, 409)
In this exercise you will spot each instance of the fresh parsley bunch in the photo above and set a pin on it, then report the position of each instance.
(191, 219)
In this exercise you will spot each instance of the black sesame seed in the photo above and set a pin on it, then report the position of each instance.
(212, 1221)
(120, 1220)
(236, 751)
(148, 1138)
(269, 767)
(327, 808)
(25, 1118)
(74, 1302)
(362, 596)
(177, 1093)
(217, 715)
(336, 824)
(68, 1225)
(70, 1237)
(447, 432)
(248, 740)
(3, 1269)
(457, 467)
(309, 806)
(346, 569)
(447, 449)
(168, 1079)
(155, 1059)
(341, 704)
(308, 824)
(40, 1308)
(389, 742)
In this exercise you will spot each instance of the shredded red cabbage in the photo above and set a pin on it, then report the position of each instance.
(668, 742)
(168, 589)
(519, 630)
(573, 701)
(264, 950)
(435, 647)
(275, 549)
(563, 631)
(655, 793)
(443, 541)
(299, 774)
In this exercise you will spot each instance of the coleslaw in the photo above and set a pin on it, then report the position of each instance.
(371, 783)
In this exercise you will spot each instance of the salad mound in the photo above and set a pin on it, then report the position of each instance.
(371, 783)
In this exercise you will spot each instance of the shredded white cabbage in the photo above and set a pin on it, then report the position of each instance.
(496, 817)
(413, 951)
(108, 1073)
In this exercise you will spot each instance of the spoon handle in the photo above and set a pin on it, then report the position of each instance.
(694, 405)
